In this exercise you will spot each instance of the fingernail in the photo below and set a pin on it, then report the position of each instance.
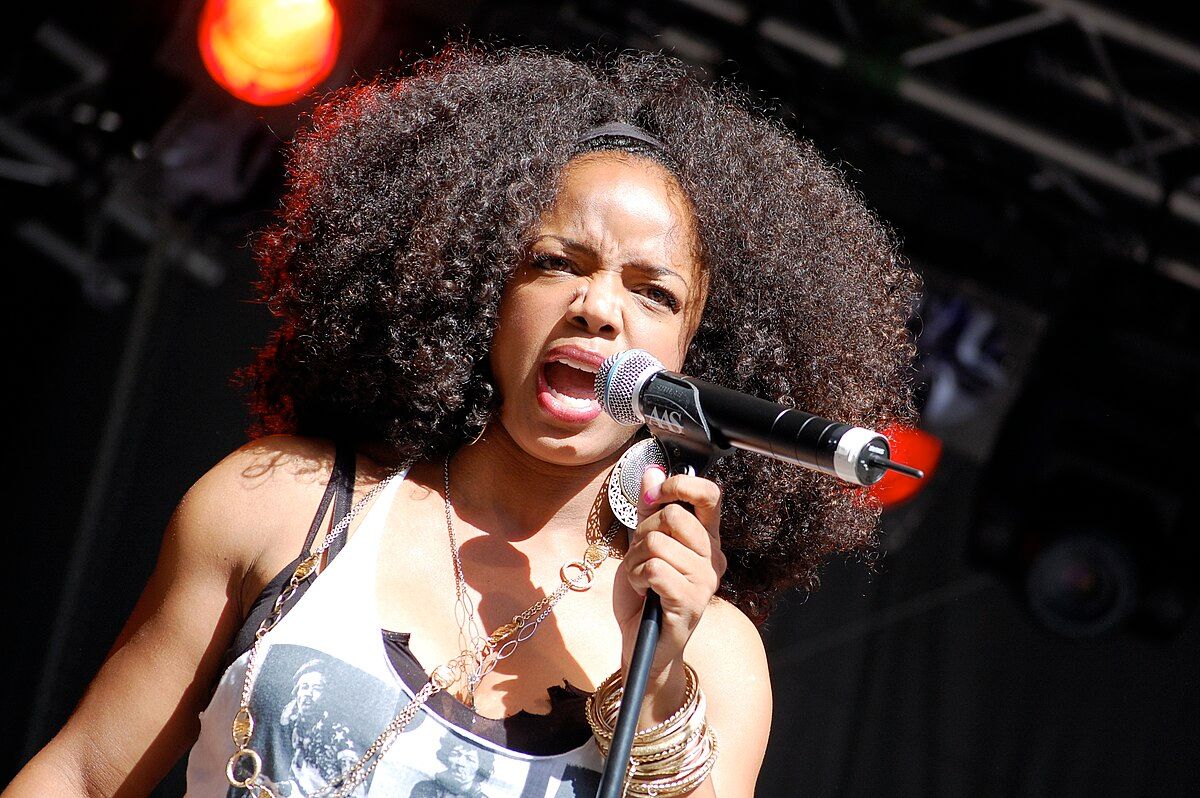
(655, 483)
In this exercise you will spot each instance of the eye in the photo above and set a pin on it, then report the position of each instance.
(551, 263)
(661, 296)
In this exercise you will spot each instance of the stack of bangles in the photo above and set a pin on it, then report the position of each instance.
(670, 758)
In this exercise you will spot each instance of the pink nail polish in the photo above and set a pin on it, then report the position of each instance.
(652, 493)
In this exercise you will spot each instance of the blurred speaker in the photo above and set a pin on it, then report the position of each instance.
(1084, 504)
(975, 348)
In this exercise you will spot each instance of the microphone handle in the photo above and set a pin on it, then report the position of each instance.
(854, 454)
(612, 781)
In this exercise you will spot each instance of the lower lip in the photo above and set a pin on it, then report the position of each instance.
(561, 410)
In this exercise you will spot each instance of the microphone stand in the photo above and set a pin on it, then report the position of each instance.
(685, 455)
(612, 782)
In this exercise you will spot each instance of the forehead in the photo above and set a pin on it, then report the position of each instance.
(623, 202)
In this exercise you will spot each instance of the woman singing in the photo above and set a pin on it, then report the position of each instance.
(410, 582)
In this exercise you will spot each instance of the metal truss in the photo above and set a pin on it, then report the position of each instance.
(1134, 170)
(123, 204)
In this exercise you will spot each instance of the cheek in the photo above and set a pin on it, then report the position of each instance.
(524, 324)
(689, 327)
(680, 352)
(520, 307)
(669, 343)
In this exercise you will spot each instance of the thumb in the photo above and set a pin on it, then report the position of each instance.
(652, 480)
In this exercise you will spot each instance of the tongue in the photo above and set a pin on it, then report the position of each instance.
(571, 381)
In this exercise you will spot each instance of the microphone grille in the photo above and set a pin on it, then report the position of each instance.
(618, 380)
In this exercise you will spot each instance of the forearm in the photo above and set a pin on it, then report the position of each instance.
(57, 771)
(665, 693)
(672, 715)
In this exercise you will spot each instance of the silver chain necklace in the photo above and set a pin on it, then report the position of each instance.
(576, 575)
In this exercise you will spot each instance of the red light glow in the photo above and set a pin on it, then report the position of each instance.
(269, 52)
(911, 447)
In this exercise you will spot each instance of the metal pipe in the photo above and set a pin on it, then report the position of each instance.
(981, 37)
(1132, 33)
(998, 125)
(113, 446)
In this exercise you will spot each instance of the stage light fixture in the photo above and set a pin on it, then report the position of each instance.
(1085, 508)
(1083, 583)
(269, 52)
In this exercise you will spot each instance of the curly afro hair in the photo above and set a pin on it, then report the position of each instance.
(411, 199)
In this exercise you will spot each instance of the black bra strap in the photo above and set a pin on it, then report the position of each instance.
(344, 466)
(339, 490)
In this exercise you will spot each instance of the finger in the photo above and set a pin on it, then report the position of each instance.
(652, 480)
(678, 522)
(659, 545)
(702, 494)
(661, 577)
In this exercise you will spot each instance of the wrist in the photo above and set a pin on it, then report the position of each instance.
(668, 758)
(666, 691)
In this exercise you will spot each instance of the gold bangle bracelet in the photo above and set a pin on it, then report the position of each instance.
(668, 787)
(671, 757)
(666, 740)
(691, 696)
(693, 748)
(604, 705)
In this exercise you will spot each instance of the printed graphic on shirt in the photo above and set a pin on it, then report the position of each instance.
(314, 716)
(439, 762)
(465, 768)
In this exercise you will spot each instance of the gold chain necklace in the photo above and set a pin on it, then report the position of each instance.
(244, 767)
(576, 575)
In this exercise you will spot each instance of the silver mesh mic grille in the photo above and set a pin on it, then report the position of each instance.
(620, 378)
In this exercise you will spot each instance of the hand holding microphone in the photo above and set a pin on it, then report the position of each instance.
(675, 553)
(695, 421)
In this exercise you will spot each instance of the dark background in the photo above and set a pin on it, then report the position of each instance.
(1030, 629)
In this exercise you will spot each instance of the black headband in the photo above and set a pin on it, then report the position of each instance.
(624, 130)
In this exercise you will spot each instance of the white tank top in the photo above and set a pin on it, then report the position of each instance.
(324, 688)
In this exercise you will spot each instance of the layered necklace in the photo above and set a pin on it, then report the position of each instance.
(575, 575)
(478, 657)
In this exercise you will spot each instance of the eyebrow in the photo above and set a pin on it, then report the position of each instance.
(653, 269)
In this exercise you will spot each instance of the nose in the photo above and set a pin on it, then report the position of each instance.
(597, 307)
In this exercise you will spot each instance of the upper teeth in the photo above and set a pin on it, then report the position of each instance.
(578, 364)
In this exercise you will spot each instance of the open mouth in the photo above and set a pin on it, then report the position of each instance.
(567, 387)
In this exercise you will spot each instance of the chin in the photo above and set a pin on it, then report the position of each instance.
(600, 441)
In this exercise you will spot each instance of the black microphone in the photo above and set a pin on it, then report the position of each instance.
(635, 388)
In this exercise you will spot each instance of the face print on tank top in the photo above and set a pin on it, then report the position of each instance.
(325, 688)
(315, 715)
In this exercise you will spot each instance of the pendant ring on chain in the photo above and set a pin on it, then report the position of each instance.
(578, 575)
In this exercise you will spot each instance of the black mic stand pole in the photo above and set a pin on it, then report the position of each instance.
(612, 782)
(684, 456)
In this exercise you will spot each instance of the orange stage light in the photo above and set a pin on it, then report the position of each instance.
(269, 52)
(911, 447)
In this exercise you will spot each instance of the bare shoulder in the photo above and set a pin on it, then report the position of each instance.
(727, 644)
(140, 713)
(255, 496)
